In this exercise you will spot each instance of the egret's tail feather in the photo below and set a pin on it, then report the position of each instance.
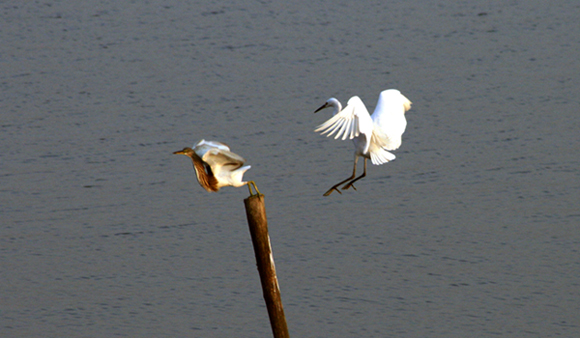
(380, 155)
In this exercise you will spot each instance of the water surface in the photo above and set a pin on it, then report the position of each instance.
(473, 230)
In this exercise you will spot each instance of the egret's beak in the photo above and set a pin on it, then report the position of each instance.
(325, 105)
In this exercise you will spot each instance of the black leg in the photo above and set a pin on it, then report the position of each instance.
(350, 184)
(334, 187)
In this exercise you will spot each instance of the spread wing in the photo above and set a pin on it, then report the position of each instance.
(217, 158)
(389, 119)
(211, 144)
(350, 122)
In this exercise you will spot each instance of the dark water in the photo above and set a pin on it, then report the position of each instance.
(471, 232)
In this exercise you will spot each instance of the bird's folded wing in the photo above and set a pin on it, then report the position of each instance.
(218, 157)
(350, 122)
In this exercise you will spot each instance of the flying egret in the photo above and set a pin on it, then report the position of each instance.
(216, 166)
(372, 135)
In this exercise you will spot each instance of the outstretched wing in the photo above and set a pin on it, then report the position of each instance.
(211, 144)
(350, 122)
(389, 119)
(217, 158)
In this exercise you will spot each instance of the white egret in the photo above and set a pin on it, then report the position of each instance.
(373, 134)
(216, 166)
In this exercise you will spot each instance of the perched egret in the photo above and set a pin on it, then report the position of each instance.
(373, 134)
(216, 166)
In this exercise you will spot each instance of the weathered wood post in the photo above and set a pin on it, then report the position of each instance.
(256, 213)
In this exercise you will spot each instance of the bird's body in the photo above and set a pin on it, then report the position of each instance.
(216, 166)
(373, 135)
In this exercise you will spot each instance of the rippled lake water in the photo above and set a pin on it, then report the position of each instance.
(471, 231)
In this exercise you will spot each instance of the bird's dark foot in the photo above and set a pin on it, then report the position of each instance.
(331, 190)
(348, 185)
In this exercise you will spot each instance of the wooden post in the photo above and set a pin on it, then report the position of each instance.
(256, 213)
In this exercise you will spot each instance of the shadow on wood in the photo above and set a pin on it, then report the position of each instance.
(256, 213)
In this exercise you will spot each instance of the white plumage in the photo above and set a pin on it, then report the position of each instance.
(373, 135)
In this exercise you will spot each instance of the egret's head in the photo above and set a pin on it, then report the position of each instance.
(185, 151)
(332, 102)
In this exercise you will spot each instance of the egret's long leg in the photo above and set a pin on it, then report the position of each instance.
(334, 187)
(350, 184)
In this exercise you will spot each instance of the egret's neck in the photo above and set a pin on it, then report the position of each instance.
(335, 104)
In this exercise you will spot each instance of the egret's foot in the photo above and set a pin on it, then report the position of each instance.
(348, 185)
(250, 184)
(331, 190)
